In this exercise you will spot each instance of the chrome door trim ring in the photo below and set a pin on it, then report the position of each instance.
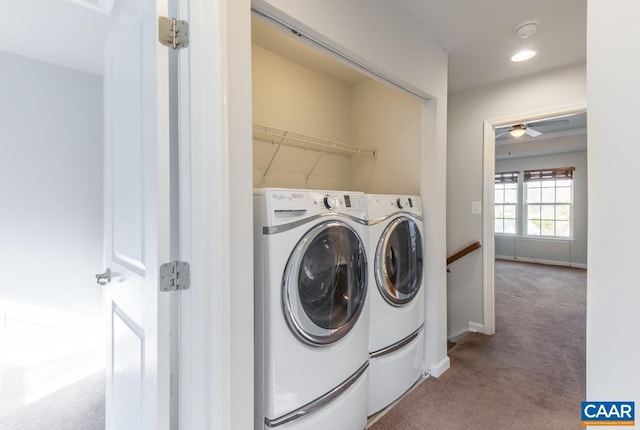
(295, 326)
(320, 402)
(398, 345)
(290, 226)
(379, 265)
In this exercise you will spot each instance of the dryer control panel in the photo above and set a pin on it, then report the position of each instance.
(405, 202)
(383, 205)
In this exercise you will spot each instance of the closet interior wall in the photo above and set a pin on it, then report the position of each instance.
(358, 111)
(389, 120)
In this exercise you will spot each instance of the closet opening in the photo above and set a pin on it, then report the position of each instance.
(322, 123)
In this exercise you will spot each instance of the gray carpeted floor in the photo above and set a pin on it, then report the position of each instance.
(77, 407)
(529, 375)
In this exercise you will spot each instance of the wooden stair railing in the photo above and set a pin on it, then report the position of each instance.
(464, 251)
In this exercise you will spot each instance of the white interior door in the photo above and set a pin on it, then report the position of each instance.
(137, 219)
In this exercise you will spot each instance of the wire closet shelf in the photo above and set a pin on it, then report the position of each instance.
(288, 138)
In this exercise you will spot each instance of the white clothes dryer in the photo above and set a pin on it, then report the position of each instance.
(396, 330)
(311, 310)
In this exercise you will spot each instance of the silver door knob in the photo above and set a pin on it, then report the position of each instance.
(104, 278)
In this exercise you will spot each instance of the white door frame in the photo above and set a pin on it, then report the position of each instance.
(489, 166)
(216, 368)
(216, 321)
(203, 384)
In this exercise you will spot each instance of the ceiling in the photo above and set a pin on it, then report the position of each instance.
(480, 39)
(559, 134)
(69, 33)
(551, 128)
(281, 42)
(479, 36)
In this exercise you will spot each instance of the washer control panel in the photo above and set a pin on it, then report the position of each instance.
(331, 202)
(288, 205)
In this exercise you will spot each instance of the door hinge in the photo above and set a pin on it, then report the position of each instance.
(172, 32)
(175, 276)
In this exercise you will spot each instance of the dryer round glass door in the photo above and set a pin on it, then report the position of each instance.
(398, 261)
(325, 283)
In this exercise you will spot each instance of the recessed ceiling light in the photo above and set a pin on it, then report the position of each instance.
(525, 55)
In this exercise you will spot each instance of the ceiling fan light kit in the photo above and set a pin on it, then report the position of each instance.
(517, 130)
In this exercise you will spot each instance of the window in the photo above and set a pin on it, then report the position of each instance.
(506, 202)
(548, 202)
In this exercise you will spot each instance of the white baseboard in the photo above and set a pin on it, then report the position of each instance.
(456, 336)
(540, 261)
(436, 370)
(472, 327)
(475, 327)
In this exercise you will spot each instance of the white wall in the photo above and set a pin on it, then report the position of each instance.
(51, 181)
(563, 252)
(384, 40)
(613, 305)
(467, 112)
(291, 97)
(387, 120)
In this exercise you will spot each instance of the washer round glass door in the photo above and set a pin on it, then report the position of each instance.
(325, 283)
(398, 261)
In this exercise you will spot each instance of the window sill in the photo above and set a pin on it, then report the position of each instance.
(537, 238)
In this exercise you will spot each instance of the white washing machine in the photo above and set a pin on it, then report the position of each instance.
(396, 330)
(311, 310)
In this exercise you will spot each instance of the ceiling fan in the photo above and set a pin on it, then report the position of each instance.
(518, 130)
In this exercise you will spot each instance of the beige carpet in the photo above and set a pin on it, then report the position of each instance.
(529, 375)
(77, 407)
